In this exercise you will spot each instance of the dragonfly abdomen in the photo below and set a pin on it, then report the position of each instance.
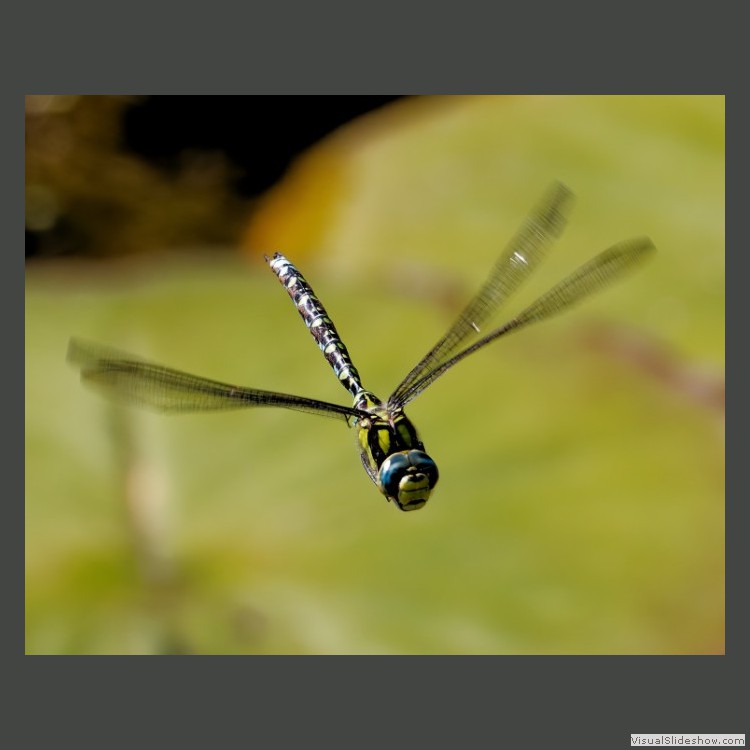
(318, 322)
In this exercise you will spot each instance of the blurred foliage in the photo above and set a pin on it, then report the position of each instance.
(581, 502)
(86, 193)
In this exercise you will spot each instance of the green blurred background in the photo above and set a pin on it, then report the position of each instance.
(581, 502)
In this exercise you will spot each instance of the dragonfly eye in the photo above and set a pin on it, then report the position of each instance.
(408, 478)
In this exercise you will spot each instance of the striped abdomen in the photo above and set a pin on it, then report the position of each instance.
(316, 319)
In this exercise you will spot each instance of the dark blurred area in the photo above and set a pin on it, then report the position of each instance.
(123, 175)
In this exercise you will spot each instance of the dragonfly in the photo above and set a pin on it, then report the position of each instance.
(391, 450)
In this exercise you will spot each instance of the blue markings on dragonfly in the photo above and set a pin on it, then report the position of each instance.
(392, 453)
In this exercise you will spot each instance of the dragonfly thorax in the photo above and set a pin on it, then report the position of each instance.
(393, 454)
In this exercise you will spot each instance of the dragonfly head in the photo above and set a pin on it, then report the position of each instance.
(408, 478)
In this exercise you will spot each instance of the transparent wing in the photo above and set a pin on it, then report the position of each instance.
(134, 381)
(519, 259)
(602, 270)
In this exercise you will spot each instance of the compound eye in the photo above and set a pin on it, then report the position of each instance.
(408, 478)
(391, 471)
(423, 464)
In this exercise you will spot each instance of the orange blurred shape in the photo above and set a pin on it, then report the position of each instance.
(294, 216)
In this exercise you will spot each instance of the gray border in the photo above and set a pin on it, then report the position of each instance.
(593, 701)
